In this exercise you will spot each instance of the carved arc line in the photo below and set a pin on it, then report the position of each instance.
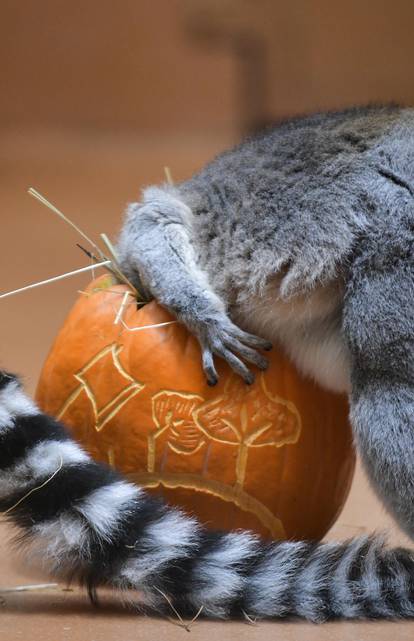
(226, 493)
(183, 452)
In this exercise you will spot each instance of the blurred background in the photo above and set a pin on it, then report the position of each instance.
(97, 97)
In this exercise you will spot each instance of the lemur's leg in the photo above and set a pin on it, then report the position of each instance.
(379, 325)
(156, 247)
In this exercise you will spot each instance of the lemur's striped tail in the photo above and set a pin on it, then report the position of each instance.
(82, 521)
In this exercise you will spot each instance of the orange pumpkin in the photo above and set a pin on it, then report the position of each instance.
(275, 457)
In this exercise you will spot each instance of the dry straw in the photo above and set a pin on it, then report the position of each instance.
(168, 175)
(54, 279)
(180, 621)
(29, 588)
(113, 265)
(35, 489)
(109, 261)
(120, 314)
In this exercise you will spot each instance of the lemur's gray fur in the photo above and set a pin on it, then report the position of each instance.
(303, 235)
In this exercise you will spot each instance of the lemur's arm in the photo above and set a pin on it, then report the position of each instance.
(155, 246)
(379, 324)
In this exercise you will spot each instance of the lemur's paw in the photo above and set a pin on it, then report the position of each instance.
(222, 338)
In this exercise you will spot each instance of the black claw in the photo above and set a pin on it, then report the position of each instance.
(211, 375)
(263, 365)
(249, 378)
(268, 346)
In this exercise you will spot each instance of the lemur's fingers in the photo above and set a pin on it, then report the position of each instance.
(224, 348)
(250, 355)
(251, 339)
(208, 366)
(226, 340)
(235, 363)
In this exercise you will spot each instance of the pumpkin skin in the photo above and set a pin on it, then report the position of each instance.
(275, 457)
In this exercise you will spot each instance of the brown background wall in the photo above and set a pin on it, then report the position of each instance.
(97, 96)
(138, 64)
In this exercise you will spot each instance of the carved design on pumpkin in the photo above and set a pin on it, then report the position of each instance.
(257, 418)
(280, 494)
(227, 493)
(122, 390)
(172, 413)
(186, 424)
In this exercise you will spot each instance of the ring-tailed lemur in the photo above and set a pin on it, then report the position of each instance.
(303, 235)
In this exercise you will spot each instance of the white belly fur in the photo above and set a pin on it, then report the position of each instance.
(308, 328)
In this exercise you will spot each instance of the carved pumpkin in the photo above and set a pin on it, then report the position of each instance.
(275, 457)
